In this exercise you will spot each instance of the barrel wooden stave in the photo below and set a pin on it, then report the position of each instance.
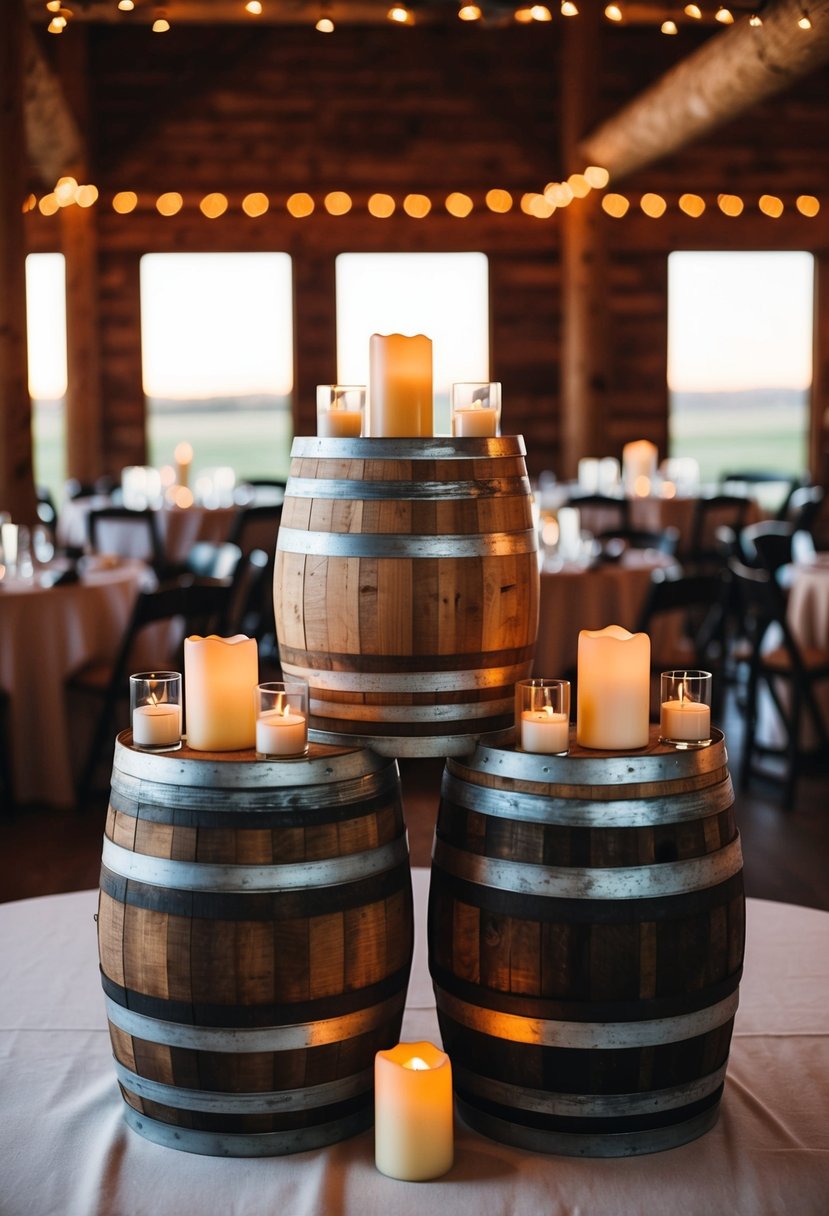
(406, 649)
(245, 1022)
(533, 985)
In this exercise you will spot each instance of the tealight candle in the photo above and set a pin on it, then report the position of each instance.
(155, 705)
(220, 675)
(281, 718)
(413, 1134)
(613, 699)
(340, 410)
(639, 461)
(542, 716)
(400, 386)
(685, 711)
(476, 409)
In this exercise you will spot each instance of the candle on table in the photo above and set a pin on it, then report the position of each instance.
(639, 466)
(340, 410)
(184, 459)
(476, 408)
(475, 420)
(156, 725)
(544, 731)
(413, 1135)
(220, 675)
(588, 474)
(400, 386)
(569, 532)
(613, 701)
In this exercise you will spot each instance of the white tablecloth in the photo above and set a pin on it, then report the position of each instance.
(65, 1150)
(45, 634)
(180, 527)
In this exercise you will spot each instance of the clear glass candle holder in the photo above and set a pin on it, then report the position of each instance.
(542, 716)
(476, 409)
(340, 410)
(155, 710)
(685, 708)
(281, 719)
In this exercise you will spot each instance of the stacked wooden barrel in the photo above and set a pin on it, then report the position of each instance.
(586, 935)
(406, 589)
(255, 936)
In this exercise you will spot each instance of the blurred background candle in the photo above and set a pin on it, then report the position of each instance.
(220, 676)
(400, 386)
(613, 696)
(569, 533)
(183, 456)
(476, 409)
(413, 1133)
(639, 461)
(340, 410)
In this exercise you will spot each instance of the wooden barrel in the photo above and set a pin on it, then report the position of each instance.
(255, 938)
(406, 589)
(586, 934)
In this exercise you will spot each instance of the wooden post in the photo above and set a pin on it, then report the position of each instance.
(584, 349)
(315, 311)
(17, 493)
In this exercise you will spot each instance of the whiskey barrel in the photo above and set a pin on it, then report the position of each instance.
(255, 938)
(406, 589)
(586, 935)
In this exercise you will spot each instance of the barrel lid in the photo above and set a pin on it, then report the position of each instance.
(433, 448)
(588, 767)
(244, 769)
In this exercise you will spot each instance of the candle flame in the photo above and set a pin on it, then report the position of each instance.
(416, 1064)
(286, 712)
(681, 692)
(548, 710)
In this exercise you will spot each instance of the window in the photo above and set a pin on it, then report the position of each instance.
(46, 327)
(740, 359)
(217, 342)
(442, 295)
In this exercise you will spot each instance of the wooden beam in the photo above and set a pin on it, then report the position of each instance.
(732, 72)
(52, 136)
(16, 480)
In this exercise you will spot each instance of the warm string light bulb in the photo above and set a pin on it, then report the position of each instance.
(669, 27)
(254, 7)
(724, 15)
(400, 15)
(324, 25)
(469, 12)
(160, 24)
(613, 12)
(693, 11)
(755, 21)
(804, 21)
(126, 6)
(569, 9)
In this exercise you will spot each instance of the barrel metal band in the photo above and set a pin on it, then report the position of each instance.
(252, 1144)
(401, 491)
(608, 1036)
(628, 813)
(270, 1102)
(457, 711)
(393, 544)
(584, 882)
(290, 1037)
(592, 1106)
(437, 447)
(424, 681)
(293, 876)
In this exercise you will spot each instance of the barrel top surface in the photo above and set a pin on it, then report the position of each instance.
(244, 769)
(586, 766)
(434, 448)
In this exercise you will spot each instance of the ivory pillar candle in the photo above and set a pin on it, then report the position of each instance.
(400, 386)
(220, 676)
(184, 460)
(413, 1133)
(340, 410)
(613, 701)
(545, 732)
(639, 466)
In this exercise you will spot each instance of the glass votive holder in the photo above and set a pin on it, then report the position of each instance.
(542, 716)
(685, 708)
(340, 410)
(155, 711)
(476, 409)
(281, 719)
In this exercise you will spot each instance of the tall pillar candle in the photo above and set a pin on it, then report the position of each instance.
(613, 700)
(413, 1133)
(639, 461)
(220, 676)
(400, 386)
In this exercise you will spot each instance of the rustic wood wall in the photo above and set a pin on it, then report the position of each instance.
(431, 110)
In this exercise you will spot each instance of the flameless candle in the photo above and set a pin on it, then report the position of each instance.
(413, 1136)
(400, 386)
(220, 675)
(340, 410)
(613, 701)
(475, 420)
(639, 466)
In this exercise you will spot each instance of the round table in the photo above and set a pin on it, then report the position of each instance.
(67, 1151)
(46, 633)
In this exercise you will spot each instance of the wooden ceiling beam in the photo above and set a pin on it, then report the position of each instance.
(53, 139)
(727, 76)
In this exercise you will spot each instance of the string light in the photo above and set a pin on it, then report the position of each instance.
(401, 15)
(337, 202)
(613, 12)
(691, 204)
(65, 191)
(615, 205)
(417, 206)
(161, 25)
(724, 15)
(807, 205)
(124, 202)
(597, 176)
(469, 12)
(324, 25)
(693, 11)
(804, 21)
(126, 6)
(569, 9)
(381, 206)
(254, 7)
(458, 204)
(169, 204)
(653, 205)
(499, 201)
(730, 204)
(300, 205)
(213, 205)
(755, 21)
(669, 27)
